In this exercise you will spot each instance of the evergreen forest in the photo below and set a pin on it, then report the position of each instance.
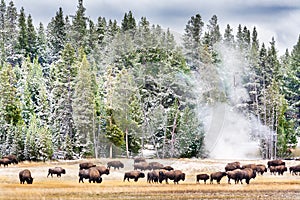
(107, 89)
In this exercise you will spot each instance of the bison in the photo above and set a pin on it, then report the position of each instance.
(142, 166)
(248, 174)
(25, 175)
(217, 176)
(153, 176)
(155, 165)
(5, 162)
(86, 165)
(251, 166)
(175, 175)
(57, 170)
(102, 170)
(139, 159)
(295, 169)
(203, 177)
(260, 169)
(235, 175)
(83, 174)
(133, 175)
(13, 159)
(115, 164)
(232, 166)
(280, 169)
(94, 175)
(168, 168)
(275, 163)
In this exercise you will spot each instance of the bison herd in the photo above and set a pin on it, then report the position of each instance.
(158, 173)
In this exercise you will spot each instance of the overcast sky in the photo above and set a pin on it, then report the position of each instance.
(272, 18)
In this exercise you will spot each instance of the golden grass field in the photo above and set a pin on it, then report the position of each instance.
(67, 187)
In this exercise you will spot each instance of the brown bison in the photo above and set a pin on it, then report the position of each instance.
(232, 166)
(235, 175)
(275, 163)
(203, 177)
(86, 165)
(139, 159)
(142, 166)
(153, 176)
(280, 169)
(115, 164)
(94, 175)
(155, 165)
(261, 169)
(13, 159)
(175, 175)
(102, 170)
(240, 174)
(251, 166)
(272, 170)
(168, 168)
(294, 170)
(217, 176)
(25, 175)
(56, 170)
(83, 174)
(5, 162)
(248, 174)
(133, 175)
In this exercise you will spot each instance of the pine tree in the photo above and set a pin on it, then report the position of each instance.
(84, 115)
(128, 23)
(192, 42)
(228, 36)
(79, 28)
(11, 36)
(22, 45)
(32, 40)
(2, 33)
(56, 35)
(62, 97)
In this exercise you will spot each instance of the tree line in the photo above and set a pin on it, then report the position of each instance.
(108, 89)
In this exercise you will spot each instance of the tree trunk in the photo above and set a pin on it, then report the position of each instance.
(110, 150)
(173, 134)
(126, 141)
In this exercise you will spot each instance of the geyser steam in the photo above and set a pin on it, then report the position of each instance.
(228, 124)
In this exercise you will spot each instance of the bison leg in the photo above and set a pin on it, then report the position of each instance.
(48, 174)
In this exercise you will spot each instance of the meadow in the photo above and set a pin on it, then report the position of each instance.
(67, 187)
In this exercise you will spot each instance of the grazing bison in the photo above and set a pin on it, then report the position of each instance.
(272, 170)
(260, 169)
(25, 175)
(102, 170)
(232, 166)
(56, 170)
(86, 165)
(155, 165)
(115, 164)
(280, 169)
(5, 162)
(251, 166)
(168, 168)
(94, 175)
(175, 175)
(133, 175)
(248, 174)
(203, 177)
(139, 159)
(142, 166)
(235, 175)
(13, 159)
(153, 176)
(217, 176)
(275, 163)
(83, 174)
(295, 169)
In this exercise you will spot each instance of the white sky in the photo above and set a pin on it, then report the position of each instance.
(272, 18)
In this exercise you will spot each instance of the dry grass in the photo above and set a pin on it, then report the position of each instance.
(113, 187)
